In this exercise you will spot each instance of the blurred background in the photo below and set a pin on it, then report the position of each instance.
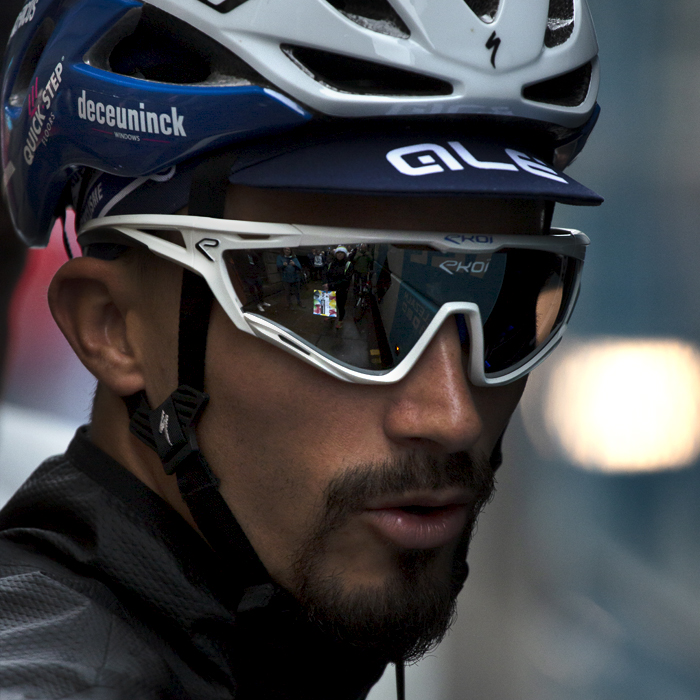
(585, 578)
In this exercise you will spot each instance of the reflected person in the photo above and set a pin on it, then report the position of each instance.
(338, 275)
(290, 269)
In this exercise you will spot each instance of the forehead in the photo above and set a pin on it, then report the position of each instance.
(450, 214)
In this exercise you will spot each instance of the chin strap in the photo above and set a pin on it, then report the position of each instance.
(170, 429)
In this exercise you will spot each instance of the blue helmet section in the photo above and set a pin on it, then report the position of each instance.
(74, 114)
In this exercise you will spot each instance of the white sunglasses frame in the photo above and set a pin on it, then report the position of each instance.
(207, 239)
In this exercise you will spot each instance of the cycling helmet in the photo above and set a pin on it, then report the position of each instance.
(132, 88)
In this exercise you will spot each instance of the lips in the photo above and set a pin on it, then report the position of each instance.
(422, 521)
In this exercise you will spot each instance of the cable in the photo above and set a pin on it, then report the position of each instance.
(400, 681)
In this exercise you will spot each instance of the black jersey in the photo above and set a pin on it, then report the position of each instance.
(106, 592)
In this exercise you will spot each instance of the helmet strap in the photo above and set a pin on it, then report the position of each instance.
(170, 429)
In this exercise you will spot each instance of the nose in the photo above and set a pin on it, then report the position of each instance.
(433, 407)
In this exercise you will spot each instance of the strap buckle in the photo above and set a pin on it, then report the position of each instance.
(170, 428)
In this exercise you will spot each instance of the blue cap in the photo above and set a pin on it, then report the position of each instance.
(351, 163)
(408, 164)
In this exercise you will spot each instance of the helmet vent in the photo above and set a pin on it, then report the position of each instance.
(568, 90)
(375, 15)
(560, 24)
(359, 77)
(485, 10)
(153, 45)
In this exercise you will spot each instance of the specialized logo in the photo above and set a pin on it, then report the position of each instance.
(492, 45)
(136, 120)
(430, 158)
(38, 106)
(163, 427)
(25, 16)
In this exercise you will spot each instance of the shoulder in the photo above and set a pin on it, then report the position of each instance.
(62, 638)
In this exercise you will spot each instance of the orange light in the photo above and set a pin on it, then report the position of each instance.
(624, 405)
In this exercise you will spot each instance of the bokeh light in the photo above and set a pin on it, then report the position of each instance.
(622, 405)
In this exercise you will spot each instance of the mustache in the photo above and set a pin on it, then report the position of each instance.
(414, 609)
(350, 492)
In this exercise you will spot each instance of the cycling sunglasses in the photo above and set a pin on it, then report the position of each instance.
(510, 296)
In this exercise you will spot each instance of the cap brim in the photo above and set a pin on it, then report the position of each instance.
(409, 165)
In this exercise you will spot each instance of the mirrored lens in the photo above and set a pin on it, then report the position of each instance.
(534, 302)
(367, 308)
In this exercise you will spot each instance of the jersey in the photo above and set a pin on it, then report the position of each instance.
(106, 592)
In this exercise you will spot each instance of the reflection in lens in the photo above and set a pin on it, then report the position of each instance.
(371, 317)
(530, 309)
(548, 307)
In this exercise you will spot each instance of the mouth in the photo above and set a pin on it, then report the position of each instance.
(422, 521)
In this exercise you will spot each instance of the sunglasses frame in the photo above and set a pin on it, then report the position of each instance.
(207, 239)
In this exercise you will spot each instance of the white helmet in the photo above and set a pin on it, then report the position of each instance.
(361, 58)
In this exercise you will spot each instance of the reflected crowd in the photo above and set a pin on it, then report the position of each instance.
(366, 306)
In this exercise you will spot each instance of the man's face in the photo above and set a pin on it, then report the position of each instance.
(359, 499)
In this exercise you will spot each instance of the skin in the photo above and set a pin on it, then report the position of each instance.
(277, 430)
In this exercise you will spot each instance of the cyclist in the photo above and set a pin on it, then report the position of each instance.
(290, 269)
(258, 509)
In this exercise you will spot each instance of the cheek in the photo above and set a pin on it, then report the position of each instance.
(273, 401)
(496, 406)
(157, 321)
(276, 431)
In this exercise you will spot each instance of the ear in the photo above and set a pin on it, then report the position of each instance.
(92, 303)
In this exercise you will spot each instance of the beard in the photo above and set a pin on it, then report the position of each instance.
(410, 613)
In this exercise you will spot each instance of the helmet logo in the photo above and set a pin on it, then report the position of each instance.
(41, 118)
(25, 16)
(493, 43)
(205, 243)
(138, 120)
